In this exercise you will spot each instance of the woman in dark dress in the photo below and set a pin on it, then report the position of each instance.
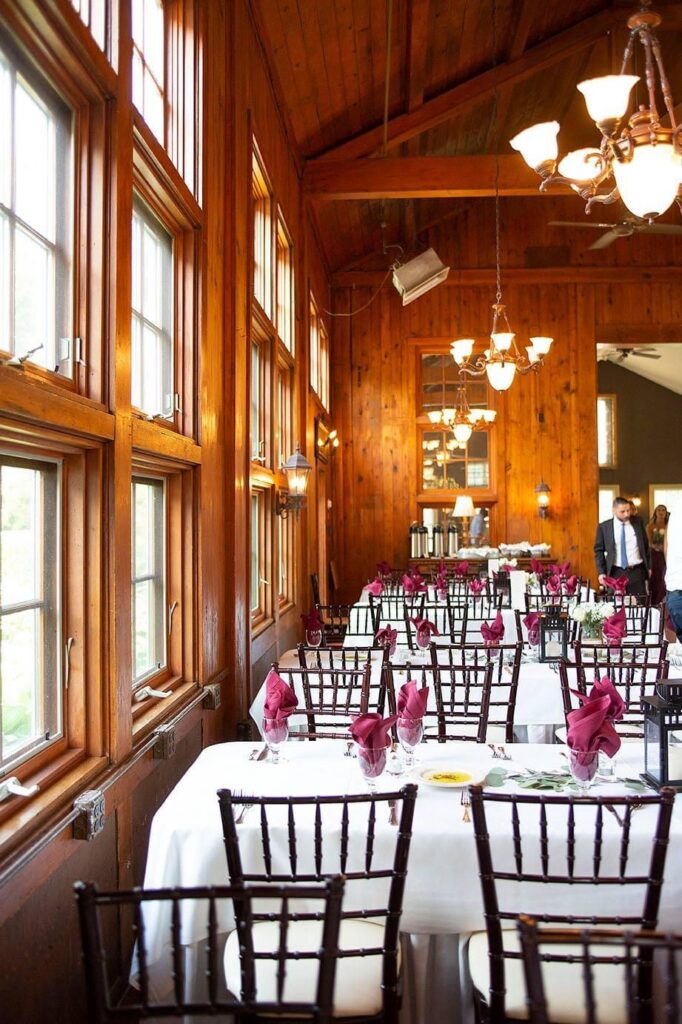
(656, 528)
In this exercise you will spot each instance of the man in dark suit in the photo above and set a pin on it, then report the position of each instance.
(621, 548)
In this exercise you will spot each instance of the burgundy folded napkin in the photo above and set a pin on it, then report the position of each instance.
(370, 730)
(425, 630)
(376, 587)
(476, 585)
(461, 568)
(604, 688)
(570, 585)
(614, 628)
(532, 623)
(442, 568)
(312, 621)
(590, 728)
(411, 701)
(413, 584)
(383, 568)
(280, 702)
(560, 569)
(553, 585)
(618, 586)
(493, 632)
(536, 566)
(387, 637)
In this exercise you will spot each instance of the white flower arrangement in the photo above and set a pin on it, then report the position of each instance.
(591, 616)
(532, 583)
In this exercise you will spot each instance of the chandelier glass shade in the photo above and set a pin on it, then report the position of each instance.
(462, 419)
(639, 162)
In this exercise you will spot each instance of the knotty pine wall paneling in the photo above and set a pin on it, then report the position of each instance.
(546, 421)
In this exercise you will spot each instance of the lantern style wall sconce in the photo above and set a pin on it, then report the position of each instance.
(553, 635)
(663, 735)
(297, 469)
(543, 492)
(464, 510)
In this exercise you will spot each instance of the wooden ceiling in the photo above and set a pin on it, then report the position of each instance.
(328, 63)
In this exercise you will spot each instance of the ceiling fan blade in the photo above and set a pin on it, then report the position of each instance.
(577, 224)
(659, 229)
(644, 355)
(606, 239)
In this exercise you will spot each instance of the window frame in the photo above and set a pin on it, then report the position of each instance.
(285, 285)
(163, 671)
(180, 217)
(262, 235)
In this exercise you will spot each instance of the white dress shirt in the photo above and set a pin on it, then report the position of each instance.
(673, 558)
(631, 546)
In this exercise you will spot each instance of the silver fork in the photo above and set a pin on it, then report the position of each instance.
(392, 813)
(242, 814)
(466, 804)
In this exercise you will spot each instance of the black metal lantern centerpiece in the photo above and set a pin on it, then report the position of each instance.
(663, 735)
(553, 634)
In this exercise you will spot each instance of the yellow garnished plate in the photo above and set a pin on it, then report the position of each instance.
(450, 776)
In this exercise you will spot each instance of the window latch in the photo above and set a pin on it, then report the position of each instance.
(149, 691)
(170, 616)
(67, 668)
(266, 582)
(12, 787)
(20, 360)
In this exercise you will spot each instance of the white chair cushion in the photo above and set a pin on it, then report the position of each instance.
(357, 988)
(564, 989)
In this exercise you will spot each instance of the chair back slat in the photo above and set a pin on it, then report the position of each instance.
(552, 860)
(631, 956)
(98, 912)
(461, 696)
(506, 661)
(333, 696)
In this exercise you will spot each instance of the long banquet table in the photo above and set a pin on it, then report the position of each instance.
(442, 895)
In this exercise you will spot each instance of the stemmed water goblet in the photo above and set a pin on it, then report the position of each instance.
(372, 761)
(275, 735)
(313, 637)
(584, 765)
(410, 732)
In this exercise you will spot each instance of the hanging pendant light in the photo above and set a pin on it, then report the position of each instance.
(501, 361)
(639, 163)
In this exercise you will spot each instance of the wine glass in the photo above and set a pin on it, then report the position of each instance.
(275, 734)
(372, 761)
(423, 640)
(410, 733)
(583, 765)
(313, 637)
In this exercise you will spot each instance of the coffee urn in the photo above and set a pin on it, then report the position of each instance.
(437, 544)
(423, 541)
(415, 541)
(453, 540)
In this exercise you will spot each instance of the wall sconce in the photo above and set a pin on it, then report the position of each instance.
(543, 492)
(464, 510)
(297, 469)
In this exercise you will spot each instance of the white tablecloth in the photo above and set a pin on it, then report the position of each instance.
(442, 894)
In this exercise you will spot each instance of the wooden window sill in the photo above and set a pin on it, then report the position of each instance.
(23, 815)
(153, 711)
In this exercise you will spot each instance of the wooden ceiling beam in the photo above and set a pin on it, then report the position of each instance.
(421, 177)
(417, 29)
(471, 92)
(484, 277)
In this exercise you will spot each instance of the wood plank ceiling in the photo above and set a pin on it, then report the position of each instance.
(328, 61)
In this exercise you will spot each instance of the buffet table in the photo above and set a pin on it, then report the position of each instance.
(442, 895)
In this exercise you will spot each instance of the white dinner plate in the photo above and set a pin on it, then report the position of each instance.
(451, 775)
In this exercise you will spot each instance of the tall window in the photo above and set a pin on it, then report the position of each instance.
(152, 346)
(262, 236)
(36, 219)
(319, 355)
(446, 465)
(148, 578)
(606, 430)
(285, 286)
(148, 63)
(30, 607)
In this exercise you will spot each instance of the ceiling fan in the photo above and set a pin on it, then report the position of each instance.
(621, 229)
(619, 355)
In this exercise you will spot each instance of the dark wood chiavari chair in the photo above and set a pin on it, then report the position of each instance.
(342, 620)
(461, 697)
(441, 614)
(305, 838)
(572, 860)
(506, 662)
(611, 969)
(339, 657)
(395, 612)
(315, 588)
(283, 982)
(633, 669)
(501, 588)
(638, 617)
(332, 697)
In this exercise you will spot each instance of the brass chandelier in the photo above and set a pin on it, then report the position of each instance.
(640, 163)
(462, 419)
(501, 361)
